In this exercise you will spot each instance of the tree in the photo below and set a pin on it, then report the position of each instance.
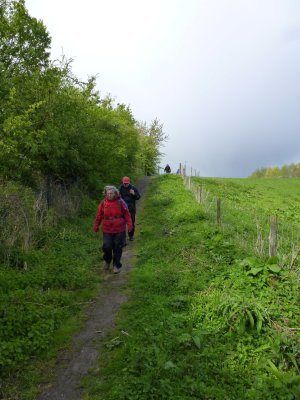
(286, 171)
(55, 128)
(151, 139)
(24, 41)
(24, 44)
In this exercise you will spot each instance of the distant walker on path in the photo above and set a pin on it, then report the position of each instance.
(167, 169)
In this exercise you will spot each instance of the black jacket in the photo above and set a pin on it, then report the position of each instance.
(128, 197)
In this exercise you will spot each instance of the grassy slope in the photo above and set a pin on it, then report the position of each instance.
(248, 204)
(202, 322)
(40, 306)
(272, 196)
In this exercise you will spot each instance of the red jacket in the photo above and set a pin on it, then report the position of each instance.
(114, 216)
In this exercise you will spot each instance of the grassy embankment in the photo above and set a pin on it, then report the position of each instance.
(210, 316)
(252, 202)
(41, 305)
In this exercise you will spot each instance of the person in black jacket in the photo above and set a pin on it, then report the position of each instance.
(167, 169)
(129, 194)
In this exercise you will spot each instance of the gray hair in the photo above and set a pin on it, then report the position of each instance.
(113, 188)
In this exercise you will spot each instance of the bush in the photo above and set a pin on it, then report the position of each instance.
(18, 221)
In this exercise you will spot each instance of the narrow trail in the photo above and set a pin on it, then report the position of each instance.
(73, 366)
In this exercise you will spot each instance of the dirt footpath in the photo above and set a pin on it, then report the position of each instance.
(73, 366)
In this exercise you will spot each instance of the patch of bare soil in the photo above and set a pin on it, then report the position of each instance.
(73, 366)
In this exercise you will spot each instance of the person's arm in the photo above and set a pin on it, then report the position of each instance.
(136, 195)
(98, 219)
(127, 215)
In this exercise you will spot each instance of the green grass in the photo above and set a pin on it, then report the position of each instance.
(207, 319)
(247, 206)
(266, 196)
(41, 306)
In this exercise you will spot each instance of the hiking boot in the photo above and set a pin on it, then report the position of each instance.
(106, 266)
(116, 270)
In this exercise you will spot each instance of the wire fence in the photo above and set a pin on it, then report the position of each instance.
(257, 232)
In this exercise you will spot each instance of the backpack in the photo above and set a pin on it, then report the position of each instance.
(120, 205)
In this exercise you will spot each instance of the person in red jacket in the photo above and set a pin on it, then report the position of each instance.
(114, 215)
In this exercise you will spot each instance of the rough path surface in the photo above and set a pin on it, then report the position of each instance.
(75, 365)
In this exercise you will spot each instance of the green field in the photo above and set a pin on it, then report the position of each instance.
(266, 196)
(247, 206)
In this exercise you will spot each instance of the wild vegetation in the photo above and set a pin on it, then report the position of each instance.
(209, 318)
(56, 128)
(40, 304)
(60, 143)
(59, 140)
(212, 316)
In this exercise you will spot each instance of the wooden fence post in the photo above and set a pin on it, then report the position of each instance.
(218, 211)
(273, 236)
(200, 194)
(259, 240)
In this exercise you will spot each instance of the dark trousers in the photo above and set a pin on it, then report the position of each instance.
(132, 213)
(112, 247)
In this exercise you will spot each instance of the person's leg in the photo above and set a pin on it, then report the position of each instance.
(118, 240)
(107, 248)
(131, 234)
(124, 239)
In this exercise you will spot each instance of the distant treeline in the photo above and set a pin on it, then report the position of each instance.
(287, 171)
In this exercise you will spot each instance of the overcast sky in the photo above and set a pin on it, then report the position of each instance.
(222, 76)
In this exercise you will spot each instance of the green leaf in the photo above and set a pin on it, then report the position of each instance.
(250, 318)
(197, 341)
(272, 368)
(293, 360)
(255, 271)
(259, 324)
(274, 268)
(169, 365)
(248, 262)
(261, 348)
(241, 328)
(272, 260)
